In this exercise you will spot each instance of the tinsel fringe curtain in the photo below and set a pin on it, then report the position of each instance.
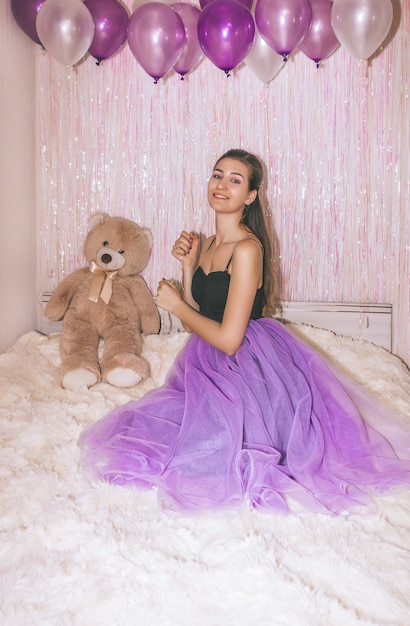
(334, 140)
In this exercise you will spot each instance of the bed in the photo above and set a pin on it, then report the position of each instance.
(75, 552)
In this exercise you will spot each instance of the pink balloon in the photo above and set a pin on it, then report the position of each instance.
(66, 29)
(192, 51)
(111, 22)
(247, 3)
(156, 36)
(361, 26)
(264, 62)
(226, 31)
(320, 39)
(283, 23)
(25, 14)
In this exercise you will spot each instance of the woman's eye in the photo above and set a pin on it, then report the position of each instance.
(236, 181)
(105, 243)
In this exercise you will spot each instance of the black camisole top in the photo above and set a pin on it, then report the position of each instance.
(210, 291)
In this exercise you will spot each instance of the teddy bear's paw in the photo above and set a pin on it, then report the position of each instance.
(80, 378)
(123, 377)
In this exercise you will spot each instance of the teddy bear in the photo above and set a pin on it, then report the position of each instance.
(108, 301)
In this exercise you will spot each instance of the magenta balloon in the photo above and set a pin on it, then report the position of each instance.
(192, 51)
(156, 36)
(226, 31)
(25, 14)
(247, 3)
(283, 23)
(320, 39)
(111, 22)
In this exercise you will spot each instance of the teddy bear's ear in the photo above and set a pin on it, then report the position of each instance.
(148, 235)
(97, 218)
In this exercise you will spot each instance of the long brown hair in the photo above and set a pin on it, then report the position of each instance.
(255, 218)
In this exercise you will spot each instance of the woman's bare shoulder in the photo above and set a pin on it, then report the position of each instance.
(248, 244)
(248, 252)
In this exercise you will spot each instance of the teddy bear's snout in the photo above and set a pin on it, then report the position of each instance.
(110, 259)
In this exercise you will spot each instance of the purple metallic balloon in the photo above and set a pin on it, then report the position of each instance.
(156, 36)
(192, 51)
(283, 23)
(111, 22)
(320, 39)
(25, 14)
(226, 31)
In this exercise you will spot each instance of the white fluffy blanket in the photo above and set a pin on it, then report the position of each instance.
(75, 553)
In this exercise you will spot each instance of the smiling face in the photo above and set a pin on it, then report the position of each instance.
(228, 187)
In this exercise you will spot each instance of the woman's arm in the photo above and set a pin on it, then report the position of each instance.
(246, 272)
(186, 250)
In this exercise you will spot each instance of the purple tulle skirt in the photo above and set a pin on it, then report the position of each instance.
(273, 426)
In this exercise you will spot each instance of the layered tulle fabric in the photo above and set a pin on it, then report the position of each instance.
(273, 426)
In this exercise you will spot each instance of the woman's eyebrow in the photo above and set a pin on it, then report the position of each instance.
(230, 173)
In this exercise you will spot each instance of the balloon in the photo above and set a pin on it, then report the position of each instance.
(156, 36)
(111, 21)
(137, 3)
(361, 25)
(283, 23)
(247, 3)
(192, 51)
(25, 13)
(66, 29)
(264, 62)
(320, 39)
(226, 31)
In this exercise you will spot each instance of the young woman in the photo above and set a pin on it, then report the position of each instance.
(249, 412)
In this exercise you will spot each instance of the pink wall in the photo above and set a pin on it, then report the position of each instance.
(17, 182)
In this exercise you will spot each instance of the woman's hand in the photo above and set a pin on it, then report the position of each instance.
(168, 296)
(186, 249)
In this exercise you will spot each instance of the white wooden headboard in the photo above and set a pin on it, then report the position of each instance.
(371, 322)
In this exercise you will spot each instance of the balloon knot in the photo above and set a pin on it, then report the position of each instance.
(285, 58)
(227, 73)
(317, 64)
(98, 62)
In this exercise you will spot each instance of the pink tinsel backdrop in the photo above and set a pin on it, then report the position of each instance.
(335, 142)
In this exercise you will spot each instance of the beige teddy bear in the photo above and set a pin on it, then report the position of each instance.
(107, 300)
